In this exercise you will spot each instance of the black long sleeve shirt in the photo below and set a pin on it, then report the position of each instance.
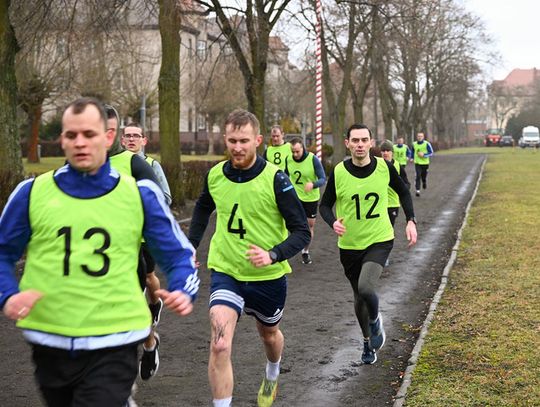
(396, 182)
(287, 201)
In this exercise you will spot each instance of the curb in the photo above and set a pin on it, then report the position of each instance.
(407, 377)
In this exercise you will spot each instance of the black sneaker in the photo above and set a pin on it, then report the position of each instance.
(424, 185)
(417, 192)
(149, 363)
(155, 310)
(306, 258)
(368, 355)
(378, 336)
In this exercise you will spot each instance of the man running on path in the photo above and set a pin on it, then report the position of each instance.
(307, 176)
(401, 155)
(134, 140)
(359, 189)
(422, 151)
(278, 151)
(260, 224)
(79, 302)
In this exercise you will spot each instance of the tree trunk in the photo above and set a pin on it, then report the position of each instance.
(11, 168)
(169, 98)
(34, 118)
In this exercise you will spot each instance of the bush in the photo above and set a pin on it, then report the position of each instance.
(194, 176)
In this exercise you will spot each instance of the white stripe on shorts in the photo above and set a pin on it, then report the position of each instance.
(229, 296)
(269, 320)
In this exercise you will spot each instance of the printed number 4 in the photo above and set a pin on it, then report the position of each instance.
(240, 230)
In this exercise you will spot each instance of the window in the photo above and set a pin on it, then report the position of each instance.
(201, 122)
(201, 49)
(190, 119)
(190, 47)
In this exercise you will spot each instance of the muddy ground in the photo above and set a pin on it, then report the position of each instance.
(321, 362)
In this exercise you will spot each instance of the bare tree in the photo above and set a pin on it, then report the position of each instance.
(11, 169)
(340, 32)
(247, 31)
(169, 94)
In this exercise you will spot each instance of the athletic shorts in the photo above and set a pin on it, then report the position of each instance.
(85, 378)
(353, 260)
(310, 208)
(264, 300)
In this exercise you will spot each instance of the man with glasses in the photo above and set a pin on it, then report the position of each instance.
(134, 140)
(123, 160)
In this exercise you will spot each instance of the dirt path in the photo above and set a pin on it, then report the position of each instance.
(321, 361)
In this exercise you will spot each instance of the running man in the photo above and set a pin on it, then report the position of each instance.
(359, 189)
(422, 151)
(256, 206)
(307, 176)
(401, 154)
(79, 302)
(134, 140)
(387, 152)
(278, 151)
(123, 160)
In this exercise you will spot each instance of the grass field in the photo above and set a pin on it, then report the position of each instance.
(483, 347)
(50, 163)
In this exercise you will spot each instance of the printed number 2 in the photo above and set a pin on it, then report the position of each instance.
(369, 214)
(298, 176)
(240, 230)
(66, 232)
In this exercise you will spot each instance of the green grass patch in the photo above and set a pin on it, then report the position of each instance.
(483, 347)
(51, 163)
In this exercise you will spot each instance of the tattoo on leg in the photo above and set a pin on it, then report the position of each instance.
(218, 330)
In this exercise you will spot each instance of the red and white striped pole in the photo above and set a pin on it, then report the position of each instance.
(318, 81)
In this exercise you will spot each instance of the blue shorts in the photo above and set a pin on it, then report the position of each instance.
(264, 300)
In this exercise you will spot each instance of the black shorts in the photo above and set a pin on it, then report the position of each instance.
(310, 208)
(353, 260)
(83, 378)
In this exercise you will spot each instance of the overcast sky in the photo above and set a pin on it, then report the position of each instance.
(515, 27)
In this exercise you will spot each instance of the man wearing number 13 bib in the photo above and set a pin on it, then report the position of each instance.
(79, 301)
(256, 205)
(359, 189)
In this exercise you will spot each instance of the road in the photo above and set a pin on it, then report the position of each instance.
(321, 363)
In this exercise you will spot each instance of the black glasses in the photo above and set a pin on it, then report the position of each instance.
(133, 136)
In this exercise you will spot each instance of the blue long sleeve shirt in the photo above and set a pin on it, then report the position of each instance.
(319, 170)
(166, 242)
(410, 151)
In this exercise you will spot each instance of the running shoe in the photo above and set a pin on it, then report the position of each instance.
(368, 355)
(424, 185)
(149, 363)
(267, 393)
(155, 310)
(417, 192)
(306, 258)
(378, 336)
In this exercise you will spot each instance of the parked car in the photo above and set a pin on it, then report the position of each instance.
(506, 141)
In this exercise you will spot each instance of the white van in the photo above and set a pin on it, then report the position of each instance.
(530, 136)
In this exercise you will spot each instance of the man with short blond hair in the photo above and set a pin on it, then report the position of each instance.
(260, 224)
